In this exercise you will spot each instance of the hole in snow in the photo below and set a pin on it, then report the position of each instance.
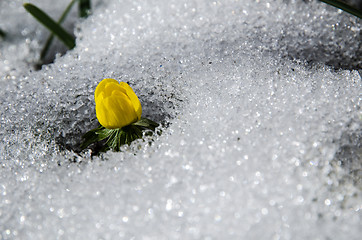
(349, 155)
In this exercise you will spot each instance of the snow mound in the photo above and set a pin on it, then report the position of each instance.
(261, 129)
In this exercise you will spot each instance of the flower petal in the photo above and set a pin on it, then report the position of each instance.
(135, 101)
(102, 85)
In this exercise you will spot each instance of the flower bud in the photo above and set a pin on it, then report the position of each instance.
(116, 104)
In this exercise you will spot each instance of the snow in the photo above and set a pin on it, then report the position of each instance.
(261, 123)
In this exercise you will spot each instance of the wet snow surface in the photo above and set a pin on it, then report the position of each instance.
(254, 145)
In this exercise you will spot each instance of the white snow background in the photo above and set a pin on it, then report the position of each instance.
(261, 122)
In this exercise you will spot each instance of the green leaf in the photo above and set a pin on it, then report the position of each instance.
(146, 123)
(112, 139)
(134, 133)
(345, 7)
(84, 8)
(49, 23)
(98, 134)
(122, 138)
(137, 132)
(118, 137)
(51, 36)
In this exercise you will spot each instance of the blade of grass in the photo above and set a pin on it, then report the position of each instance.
(54, 27)
(51, 36)
(2, 33)
(84, 8)
(345, 7)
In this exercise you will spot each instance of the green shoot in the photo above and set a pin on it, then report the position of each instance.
(84, 8)
(49, 23)
(2, 33)
(51, 36)
(344, 7)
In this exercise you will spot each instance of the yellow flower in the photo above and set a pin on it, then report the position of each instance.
(116, 104)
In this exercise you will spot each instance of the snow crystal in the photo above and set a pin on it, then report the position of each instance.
(259, 103)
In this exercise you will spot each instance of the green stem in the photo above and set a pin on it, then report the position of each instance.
(345, 7)
(51, 36)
